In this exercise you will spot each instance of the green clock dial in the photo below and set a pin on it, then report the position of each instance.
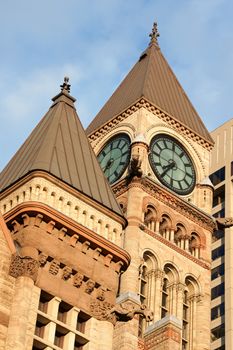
(172, 164)
(114, 157)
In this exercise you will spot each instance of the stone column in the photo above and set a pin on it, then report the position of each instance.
(25, 271)
(50, 328)
(159, 275)
(71, 320)
(172, 232)
(129, 280)
(180, 298)
(105, 336)
(192, 301)
(202, 322)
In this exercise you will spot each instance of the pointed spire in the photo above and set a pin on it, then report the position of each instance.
(65, 87)
(59, 147)
(154, 35)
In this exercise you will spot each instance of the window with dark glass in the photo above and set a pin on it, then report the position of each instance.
(62, 311)
(59, 339)
(219, 196)
(217, 272)
(218, 332)
(217, 291)
(217, 311)
(220, 214)
(81, 322)
(218, 252)
(218, 234)
(218, 176)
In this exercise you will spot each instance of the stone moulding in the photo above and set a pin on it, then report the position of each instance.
(68, 189)
(18, 217)
(166, 197)
(142, 102)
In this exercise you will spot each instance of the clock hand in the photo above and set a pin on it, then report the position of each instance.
(167, 167)
(108, 165)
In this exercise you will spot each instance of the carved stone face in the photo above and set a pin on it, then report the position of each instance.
(101, 294)
(66, 273)
(78, 280)
(43, 259)
(90, 285)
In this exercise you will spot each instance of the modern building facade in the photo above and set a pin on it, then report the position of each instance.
(110, 249)
(221, 171)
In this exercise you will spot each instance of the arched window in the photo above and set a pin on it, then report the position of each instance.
(165, 227)
(164, 304)
(194, 245)
(150, 217)
(190, 297)
(147, 285)
(169, 291)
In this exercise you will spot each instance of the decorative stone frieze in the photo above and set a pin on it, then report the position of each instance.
(33, 188)
(176, 203)
(23, 266)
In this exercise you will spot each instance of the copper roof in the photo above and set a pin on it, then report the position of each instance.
(152, 78)
(58, 145)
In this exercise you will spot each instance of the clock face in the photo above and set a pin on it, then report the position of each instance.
(172, 164)
(115, 157)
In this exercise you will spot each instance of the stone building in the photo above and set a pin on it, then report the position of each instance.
(84, 265)
(221, 172)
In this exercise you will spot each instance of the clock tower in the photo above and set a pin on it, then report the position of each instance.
(154, 150)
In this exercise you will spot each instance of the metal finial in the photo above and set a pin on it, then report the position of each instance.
(65, 86)
(154, 34)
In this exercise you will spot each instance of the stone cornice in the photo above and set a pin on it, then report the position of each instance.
(67, 188)
(171, 200)
(71, 227)
(168, 119)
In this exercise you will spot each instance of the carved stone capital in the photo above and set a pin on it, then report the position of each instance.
(159, 274)
(180, 287)
(195, 298)
(25, 266)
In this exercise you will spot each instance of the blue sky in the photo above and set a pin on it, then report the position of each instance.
(95, 43)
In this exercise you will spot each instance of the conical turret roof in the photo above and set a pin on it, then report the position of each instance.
(58, 145)
(152, 78)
